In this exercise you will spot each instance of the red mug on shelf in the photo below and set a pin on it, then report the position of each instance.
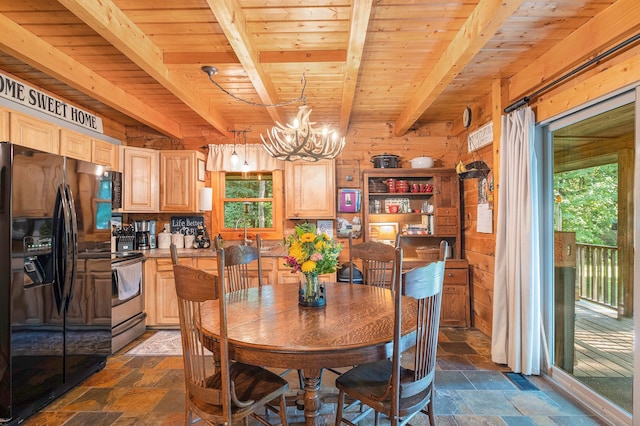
(393, 208)
(415, 187)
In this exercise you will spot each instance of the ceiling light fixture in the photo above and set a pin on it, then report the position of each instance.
(245, 166)
(297, 141)
(235, 158)
(301, 141)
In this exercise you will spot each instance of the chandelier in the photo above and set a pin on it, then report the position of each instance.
(297, 141)
(301, 141)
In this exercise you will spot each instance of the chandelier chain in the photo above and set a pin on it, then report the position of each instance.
(302, 98)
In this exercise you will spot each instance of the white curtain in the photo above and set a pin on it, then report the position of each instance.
(219, 159)
(516, 333)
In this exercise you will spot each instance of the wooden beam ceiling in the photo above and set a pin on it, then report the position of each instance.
(480, 26)
(233, 23)
(360, 12)
(34, 51)
(110, 22)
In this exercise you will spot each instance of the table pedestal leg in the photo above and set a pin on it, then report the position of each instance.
(312, 403)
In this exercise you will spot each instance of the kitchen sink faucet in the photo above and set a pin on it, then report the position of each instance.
(246, 241)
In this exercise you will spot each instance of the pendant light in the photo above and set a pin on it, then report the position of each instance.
(245, 166)
(235, 158)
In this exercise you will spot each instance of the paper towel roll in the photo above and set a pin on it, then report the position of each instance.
(205, 201)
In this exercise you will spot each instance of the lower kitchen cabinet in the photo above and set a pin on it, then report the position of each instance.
(161, 302)
(455, 295)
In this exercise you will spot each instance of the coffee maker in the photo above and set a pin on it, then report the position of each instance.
(142, 233)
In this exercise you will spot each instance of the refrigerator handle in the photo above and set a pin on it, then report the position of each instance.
(60, 245)
(4, 190)
(72, 255)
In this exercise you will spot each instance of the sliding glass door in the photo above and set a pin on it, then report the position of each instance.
(591, 193)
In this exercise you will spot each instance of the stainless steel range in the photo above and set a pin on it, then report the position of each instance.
(127, 302)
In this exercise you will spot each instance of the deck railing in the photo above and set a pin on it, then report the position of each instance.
(597, 275)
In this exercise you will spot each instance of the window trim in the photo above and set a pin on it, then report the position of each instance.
(218, 181)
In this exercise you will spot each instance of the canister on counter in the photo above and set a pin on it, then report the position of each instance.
(164, 239)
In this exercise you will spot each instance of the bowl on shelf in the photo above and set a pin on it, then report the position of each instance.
(394, 208)
(422, 163)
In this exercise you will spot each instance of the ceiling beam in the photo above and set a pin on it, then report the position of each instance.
(485, 20)
(110, 22)
(41, 55)
(231, 19)
(613, 24)
(360, 12)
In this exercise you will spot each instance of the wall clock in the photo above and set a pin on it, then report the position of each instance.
(466, 117)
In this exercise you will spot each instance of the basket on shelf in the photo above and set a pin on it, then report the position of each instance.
(428, 253)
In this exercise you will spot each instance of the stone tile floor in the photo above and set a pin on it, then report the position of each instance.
(470, 390)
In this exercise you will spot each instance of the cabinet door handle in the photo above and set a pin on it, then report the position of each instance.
(450, 274)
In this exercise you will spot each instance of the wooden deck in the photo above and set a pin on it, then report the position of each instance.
(604, 353)
(603, 344)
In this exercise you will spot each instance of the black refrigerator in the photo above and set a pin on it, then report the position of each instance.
(55, 281)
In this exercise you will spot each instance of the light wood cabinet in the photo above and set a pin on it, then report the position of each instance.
(161, 302)
(310, 190)
(140, 176)
(33, 133)
(5, 125)
(106, 154)
(179, 183)
(75, 145)
(83, 147)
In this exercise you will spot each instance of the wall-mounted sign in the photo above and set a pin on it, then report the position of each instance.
(481, 137)
(186, 225)
(33, 98)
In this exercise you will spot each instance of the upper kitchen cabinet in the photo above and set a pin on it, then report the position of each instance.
(179, 182)
(75, 145)
(106, 154)
(4, 125)
(310, 190)
(33, 133)
(140, 179)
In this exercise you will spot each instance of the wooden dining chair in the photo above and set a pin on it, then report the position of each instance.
(237, 260)
(232, 391)
(378, 262)
(173, 249)
(386, 386)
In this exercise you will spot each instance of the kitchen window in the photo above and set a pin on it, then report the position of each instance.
(256, 198)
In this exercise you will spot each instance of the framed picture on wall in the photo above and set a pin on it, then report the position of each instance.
(201, 170)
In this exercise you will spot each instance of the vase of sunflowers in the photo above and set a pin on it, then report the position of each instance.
(312, 254)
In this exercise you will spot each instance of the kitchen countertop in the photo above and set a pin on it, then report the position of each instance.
(155, 253)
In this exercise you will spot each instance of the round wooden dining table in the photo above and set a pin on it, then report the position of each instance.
(267, 327)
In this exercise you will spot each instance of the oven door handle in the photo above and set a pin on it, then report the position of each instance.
(126, 262)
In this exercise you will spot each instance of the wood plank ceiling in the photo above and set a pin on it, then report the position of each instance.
(404, 62)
